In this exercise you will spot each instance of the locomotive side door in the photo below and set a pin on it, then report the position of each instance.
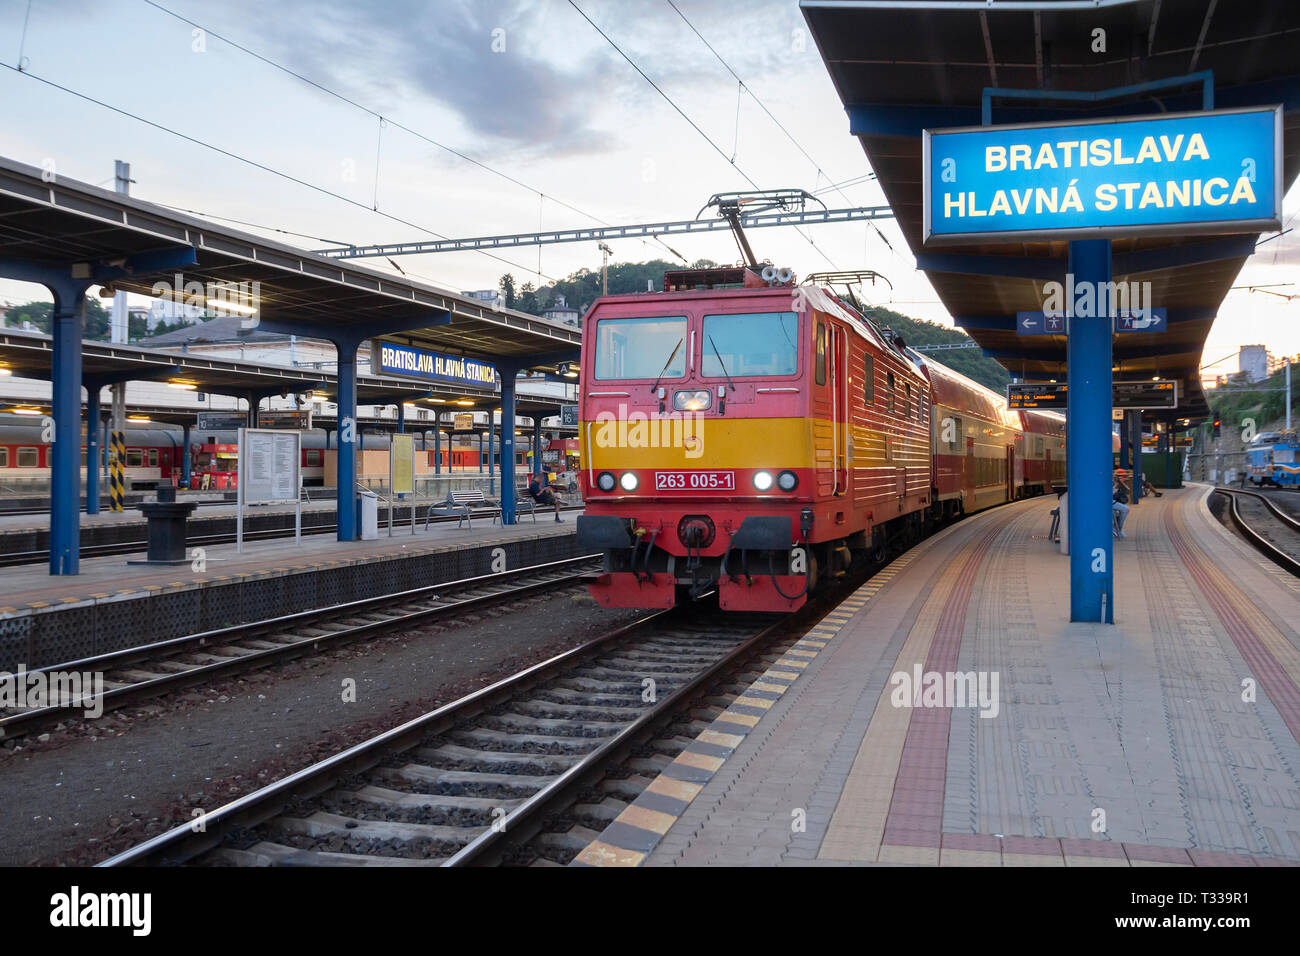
(824, 432)
(1011, 473)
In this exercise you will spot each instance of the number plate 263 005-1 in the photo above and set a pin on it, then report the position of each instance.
(695, 481)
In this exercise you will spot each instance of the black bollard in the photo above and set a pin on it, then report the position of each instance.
(166, 529)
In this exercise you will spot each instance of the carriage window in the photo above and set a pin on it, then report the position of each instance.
(1038, 444)
(953, 432)
(29, 457)
(907, 400)
(313, 457)
(922, 402)
(821, 353)
(134, 457)
(749, 344)
(868, 380)
(4, 457)
(153, 457)
(641, 348)
(889, 400)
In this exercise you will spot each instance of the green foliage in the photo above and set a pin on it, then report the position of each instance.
(98, 318)
(507, 288)
(98, 321)
(969, 362)
(1265, 402)
(580, 289)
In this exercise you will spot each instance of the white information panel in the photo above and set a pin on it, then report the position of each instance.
(270, 461)
(270, 472)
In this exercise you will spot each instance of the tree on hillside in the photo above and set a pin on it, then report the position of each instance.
(528, 300)
(98, 319)
(507, 287)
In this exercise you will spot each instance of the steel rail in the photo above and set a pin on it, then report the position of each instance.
(183, 842)
(27, 722)
(1265, 547)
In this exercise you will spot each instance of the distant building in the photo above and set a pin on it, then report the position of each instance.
(493, 297)
(165, 310)
(561, 311)
(1254, 361)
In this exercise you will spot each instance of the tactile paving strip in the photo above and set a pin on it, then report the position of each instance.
(635, 832)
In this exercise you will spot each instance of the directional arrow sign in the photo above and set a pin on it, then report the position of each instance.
(1041, 323)
(1153, 320)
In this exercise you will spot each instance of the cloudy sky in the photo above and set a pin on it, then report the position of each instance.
(568, 133)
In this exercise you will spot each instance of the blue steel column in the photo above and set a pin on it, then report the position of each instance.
(480, 448)
(537, 442)
(1125, 459)
(185, 454)
(401, 417)
(92, 448)
(1088, 447)
(437, 444)
(65, 479)
(508, 487)
(348, 437)
(1135, 439)
(492, 455)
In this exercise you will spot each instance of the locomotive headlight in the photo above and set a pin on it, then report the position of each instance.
(629, 481)
(692, 400)
(787, 480)
(763, 480)
(606, 482)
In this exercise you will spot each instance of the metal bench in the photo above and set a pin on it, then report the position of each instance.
(462, 504)
(521, 499)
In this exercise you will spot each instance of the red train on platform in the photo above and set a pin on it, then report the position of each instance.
(756, 438)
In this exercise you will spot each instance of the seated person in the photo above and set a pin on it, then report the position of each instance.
(1119, 498)
(539, 491)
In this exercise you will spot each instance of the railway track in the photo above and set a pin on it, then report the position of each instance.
(136, 546)
(148, 671)
(525, 771)
(1278, 540)
(481, 780)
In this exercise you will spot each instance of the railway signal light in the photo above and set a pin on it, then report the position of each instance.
(1216, 424)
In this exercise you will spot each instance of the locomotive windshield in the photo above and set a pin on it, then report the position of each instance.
(639, 348)
(750, 344)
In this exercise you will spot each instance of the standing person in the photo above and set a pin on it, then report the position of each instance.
(540, 493)
(1119, 505)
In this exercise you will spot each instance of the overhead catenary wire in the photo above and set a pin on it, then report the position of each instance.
(781, 126)
(254, 163)
(384, 120)
(695, 126)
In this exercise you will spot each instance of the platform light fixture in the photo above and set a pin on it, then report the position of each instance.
(183, 386)
(26, 411)
(138, 418)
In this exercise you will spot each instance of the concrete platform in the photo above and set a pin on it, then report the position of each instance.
(111, 604)
(1170, 738)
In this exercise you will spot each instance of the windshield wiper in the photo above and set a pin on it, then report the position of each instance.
(722, 365)
(659, 377)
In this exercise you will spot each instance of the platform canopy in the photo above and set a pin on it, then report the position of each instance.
(67, 222)
(31, 355)
(901, 67)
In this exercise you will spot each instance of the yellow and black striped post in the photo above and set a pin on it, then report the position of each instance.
(116, 471)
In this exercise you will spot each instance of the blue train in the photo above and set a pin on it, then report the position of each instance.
(1274, 459)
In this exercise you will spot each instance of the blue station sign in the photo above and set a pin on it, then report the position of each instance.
(1217, 171)
(389, 358)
